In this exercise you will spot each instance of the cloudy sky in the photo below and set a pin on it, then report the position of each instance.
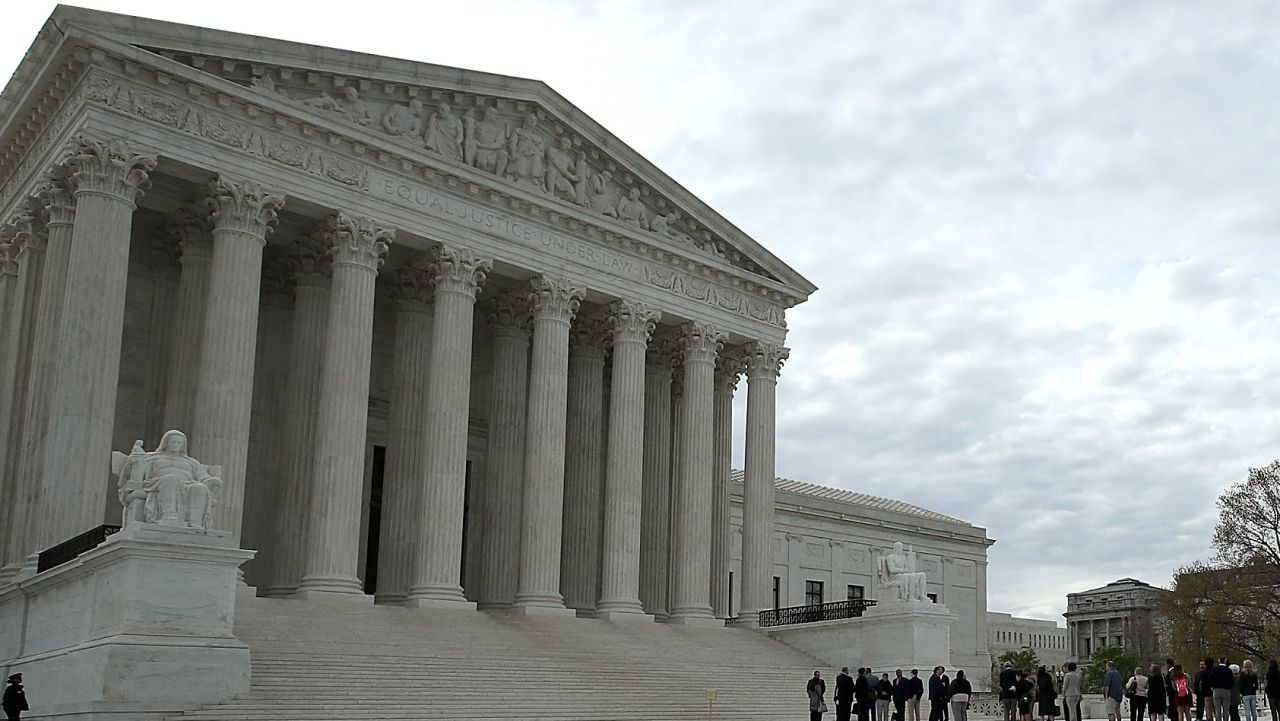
(1046, 235)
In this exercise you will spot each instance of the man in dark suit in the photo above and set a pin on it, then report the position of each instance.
(939, 690)
(862, 694)
(1008, 692)
(901, 692)
(917, 692)
(844, 694)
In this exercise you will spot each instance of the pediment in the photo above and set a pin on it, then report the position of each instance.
(510, 131)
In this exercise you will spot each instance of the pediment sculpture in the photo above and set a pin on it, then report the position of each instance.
(166, 486)
(899, 577)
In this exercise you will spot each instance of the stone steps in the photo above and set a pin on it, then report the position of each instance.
(325, 660)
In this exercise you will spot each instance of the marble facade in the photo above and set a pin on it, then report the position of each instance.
(452, 343)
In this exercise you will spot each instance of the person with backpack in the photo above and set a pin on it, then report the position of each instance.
(1181, 694)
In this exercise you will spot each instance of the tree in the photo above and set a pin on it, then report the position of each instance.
(1023, 659)
(1125, 663)
(1230, 606)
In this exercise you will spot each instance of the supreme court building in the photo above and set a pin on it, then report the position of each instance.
(451, 341)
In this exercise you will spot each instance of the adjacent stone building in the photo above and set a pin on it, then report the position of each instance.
(1122, 613)
(827, 542)
(1006, 632)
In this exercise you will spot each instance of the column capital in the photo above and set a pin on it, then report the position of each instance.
(587, 337)
(191, 227)
(26, 231)
(458, 270)
(59, 204)
(764, 360)
(411, 288)
(631, 321)
(731, 363)
(357, 240)
(700, 341)
(243, 206)
(509, 312)
(107, 166)
(554, 298)
(662, 353)
(309, 260)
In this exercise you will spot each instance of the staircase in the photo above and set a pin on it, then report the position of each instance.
(333, 660)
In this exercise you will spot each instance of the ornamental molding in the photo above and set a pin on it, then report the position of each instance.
(422, 181)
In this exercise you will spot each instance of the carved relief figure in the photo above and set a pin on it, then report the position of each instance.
(404, 123)
(665, 225)
(527, 151)
(444, 133)
(325, 102)
(166, 486)
(582, 179)
(357, 110)
(486, 142)
(600, 196)
(267, 85)
(898, 573)
(631, 210)
(560, 175)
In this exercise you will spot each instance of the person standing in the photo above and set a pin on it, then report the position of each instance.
(1248, 682)
(862, 695)
(872, 684)
(1273, 689)
(938, 689)
(1138, 687)
(1221, 682)
(844, 694)
(1204, 694)
(1181, 689)
(961, 689)
(15, 698)
(884, 696)
(1157, 695)
(1026, 695)
(1234, 710)
(917, 693)
(901, 694)
(1072, 692)
(1046, 695)
(1008, 691)
(816, 688)
(1112, 691)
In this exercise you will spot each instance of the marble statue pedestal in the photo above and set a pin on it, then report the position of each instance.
(911, 634)
(138, 628)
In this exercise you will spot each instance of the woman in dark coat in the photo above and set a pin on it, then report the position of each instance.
(1157, 695)
(816, 688)
(15, 698)
(1046, 694)
(1026, 690)
(1273, 689)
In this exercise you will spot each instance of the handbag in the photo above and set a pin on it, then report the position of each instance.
(822, 707)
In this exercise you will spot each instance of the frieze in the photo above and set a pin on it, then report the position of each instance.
(35, 158)
(124, 96)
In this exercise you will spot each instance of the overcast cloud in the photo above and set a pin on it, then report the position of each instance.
(1046, 235)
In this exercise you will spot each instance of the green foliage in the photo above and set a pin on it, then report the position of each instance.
(1097, 668)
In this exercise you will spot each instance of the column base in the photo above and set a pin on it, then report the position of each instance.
(314, 594)
(624, 616)
(279, 591)
(446, 604)
(748, 619)
(696, 621)
(537, 610)
(331, 585)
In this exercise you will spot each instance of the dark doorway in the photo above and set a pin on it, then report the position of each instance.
(375, 520)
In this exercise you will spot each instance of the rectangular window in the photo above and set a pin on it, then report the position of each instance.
(813, 593)
(856, 593)
(777, 593)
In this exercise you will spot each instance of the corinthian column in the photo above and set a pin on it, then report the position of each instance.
(692, 507)
(357, 246)
(8, 353)
(509, 316)
(655, 495)
(554, 302)
(764, 362)
(30, 238)
(631, 324)
(242, 213)
(105, 178)
(406, 428)
(310, 265)
(728, 368)
(580, 549)
(457, 274)
(191, 226)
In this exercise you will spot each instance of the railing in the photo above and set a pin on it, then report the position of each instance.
(821, 612)
(57, 555)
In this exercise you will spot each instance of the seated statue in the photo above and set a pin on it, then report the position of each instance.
(166, 486)
(898, 573)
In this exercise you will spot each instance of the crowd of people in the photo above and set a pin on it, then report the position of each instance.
(1218, 691)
